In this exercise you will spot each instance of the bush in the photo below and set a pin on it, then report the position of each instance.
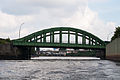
(5, 41)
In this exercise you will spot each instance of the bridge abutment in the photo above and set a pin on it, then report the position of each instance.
(101, 54)
(10, 52)
(113, 50)
(24, 53)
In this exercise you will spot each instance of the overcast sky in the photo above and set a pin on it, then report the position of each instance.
(99, 17)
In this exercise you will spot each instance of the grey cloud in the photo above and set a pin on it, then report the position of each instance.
(25, 7)
(46, 13)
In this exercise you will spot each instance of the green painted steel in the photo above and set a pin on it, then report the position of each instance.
(61, 37)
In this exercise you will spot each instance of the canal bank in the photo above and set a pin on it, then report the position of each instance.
(7, 52)
(10, 52)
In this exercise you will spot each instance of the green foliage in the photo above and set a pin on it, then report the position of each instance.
(8, 40)
(116, 33)
(5, 41)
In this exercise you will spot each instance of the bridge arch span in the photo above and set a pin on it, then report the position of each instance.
(61, 37)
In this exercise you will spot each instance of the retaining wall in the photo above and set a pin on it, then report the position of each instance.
(8, 52)
(113, 50)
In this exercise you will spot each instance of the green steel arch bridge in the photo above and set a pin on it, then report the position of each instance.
(61, 37)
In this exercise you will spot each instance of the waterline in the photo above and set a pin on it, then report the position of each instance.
(64, 58)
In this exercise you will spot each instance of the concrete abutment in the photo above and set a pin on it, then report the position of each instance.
(10, 52)
(113, 50)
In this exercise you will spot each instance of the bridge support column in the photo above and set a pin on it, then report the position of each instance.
(62, 49)
(37, 50)
(24, 52)
(76, 50)
(101, 54)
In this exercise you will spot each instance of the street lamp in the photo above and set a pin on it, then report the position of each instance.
(20, 29)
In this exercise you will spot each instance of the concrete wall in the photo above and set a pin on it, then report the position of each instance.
(7, 51)
(113, 50)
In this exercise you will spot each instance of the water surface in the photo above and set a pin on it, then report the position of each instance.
(59, 70)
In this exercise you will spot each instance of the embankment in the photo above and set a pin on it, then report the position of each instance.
(7, 51)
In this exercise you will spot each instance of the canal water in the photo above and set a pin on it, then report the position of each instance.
(53, 69)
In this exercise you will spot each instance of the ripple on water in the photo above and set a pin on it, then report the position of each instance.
(59, 70)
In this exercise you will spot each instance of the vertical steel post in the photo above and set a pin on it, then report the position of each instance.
(60, 36)
(95, 42)
(92, 41)
(76, 37)
(89, 40)
(35, 38)
(53, 37)
(83, 39)
(50, 37)
(41, 38)
(68, 37)
(44, 38)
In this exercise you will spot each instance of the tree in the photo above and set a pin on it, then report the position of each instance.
(116, 33)
(8, 39)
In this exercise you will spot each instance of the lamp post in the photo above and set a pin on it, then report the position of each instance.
(20, 29)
